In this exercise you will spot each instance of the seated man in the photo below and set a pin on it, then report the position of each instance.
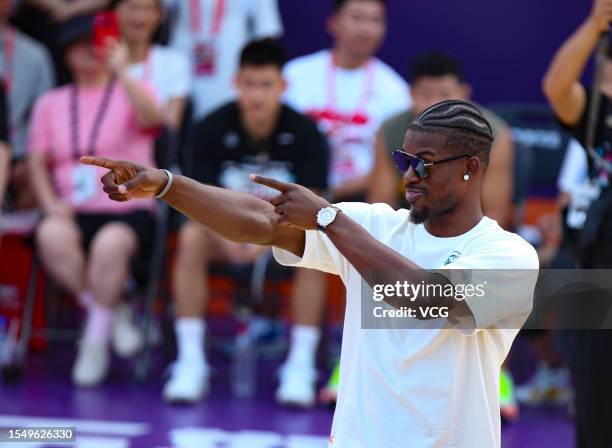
(86, 242)
(255, 134)
(437, 77)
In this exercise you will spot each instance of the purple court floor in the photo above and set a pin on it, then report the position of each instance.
(124, 414)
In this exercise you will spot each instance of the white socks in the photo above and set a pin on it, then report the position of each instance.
(190, 333)
(190, 337)
(304, 344)
(86, 300)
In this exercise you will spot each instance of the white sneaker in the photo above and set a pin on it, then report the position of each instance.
(126, 337)
(547, 386)
(91, 365)
(188, 383)
(297, 386)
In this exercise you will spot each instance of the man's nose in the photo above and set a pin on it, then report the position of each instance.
(410, 176)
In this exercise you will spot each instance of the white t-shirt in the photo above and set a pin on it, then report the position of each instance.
(432, 387)
(240, 21)
(167, 70)
(348, 105)
(574, 180)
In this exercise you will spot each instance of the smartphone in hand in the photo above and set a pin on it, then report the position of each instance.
(105, 26)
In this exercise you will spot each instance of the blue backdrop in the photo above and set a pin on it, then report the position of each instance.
(505, 45)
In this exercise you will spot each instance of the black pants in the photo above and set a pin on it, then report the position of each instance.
(590, 362)
(590, 351)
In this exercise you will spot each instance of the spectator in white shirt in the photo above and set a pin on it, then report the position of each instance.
(211, 34)
(349, 92)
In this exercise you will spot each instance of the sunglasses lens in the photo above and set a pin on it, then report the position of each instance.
(405, 161)
(402, 162)
(420, 169)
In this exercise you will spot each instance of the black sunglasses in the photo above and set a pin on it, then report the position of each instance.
(403, 160)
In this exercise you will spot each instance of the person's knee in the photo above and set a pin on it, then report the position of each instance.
(192, 245)
(56, 235)
(112, 246)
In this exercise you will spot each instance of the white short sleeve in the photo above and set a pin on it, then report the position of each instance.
(181, 85)
(504, 274)
(266, 18)
(292, 93)
(396, 91)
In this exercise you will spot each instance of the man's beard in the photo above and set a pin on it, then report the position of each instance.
(419, 216)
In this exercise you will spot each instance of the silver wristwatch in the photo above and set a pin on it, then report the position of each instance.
(326, 216)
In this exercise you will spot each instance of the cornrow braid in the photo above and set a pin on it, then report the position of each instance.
(463, 123)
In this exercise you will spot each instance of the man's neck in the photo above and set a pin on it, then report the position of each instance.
(456, 223)
(347, 60)
(138, 51)
(260, 129)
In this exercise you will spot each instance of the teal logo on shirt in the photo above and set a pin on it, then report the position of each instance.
(452, 257)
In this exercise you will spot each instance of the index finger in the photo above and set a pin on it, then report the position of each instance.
(269, 182)
(100, 161)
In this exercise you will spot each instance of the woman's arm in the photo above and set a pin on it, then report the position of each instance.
(62, 10)
(43, 188)
(174, 113)
(5, 161)
(148, 112)
(561, 83)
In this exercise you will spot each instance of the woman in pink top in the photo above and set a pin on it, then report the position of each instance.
(86, 241)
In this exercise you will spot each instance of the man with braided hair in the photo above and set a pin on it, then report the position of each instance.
(434, 386)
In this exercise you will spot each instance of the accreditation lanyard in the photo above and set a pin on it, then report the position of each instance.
(99, 118)
(359, 115)
(196, 18)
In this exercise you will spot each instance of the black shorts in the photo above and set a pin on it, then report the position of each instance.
(142, 222)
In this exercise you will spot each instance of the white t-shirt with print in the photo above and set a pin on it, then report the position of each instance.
(167, 70)
(575, 169)
(348, 105)
(242, 21)
(431, 387)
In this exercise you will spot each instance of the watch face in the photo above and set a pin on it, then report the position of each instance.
(326, 216)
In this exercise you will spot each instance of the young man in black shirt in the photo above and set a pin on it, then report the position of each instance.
(591, 357)
(255, 134)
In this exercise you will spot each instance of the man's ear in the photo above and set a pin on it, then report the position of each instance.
(474, 166)
(331, 24)
(284, 85)
(467, 90)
